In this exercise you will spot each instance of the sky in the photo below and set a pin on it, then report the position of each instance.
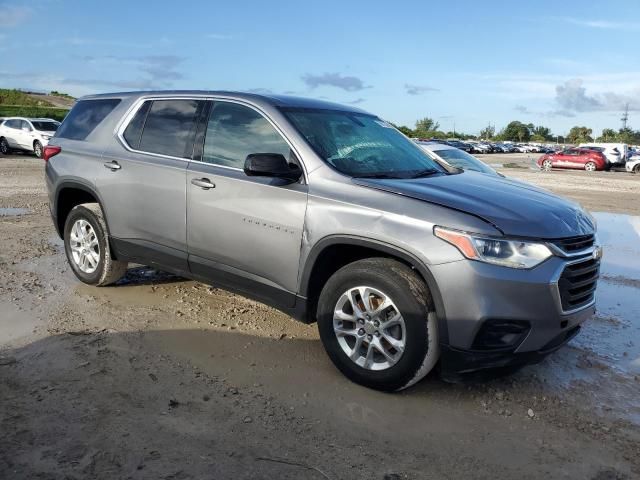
(463, 63)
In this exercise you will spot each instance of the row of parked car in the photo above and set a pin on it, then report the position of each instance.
(26, 134)
(474, 146)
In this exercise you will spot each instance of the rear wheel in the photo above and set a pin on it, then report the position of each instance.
(37, 149)
(378, 325)
(547, 165)
(86, 245)
(590, 167)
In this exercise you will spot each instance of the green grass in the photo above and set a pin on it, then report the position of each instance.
(33, 111)
(16, 97)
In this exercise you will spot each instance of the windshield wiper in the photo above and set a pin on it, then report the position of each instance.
(425, 173)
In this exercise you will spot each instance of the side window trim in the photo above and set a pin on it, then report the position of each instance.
(126, 119)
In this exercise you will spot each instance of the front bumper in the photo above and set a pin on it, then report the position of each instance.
(459, 365)
(474, 294)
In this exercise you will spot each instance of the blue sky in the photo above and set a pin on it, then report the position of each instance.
(553, 63)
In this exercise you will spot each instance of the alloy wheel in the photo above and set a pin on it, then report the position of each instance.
(369, 328)
(85, 249)
(547, 165)
(590, 167)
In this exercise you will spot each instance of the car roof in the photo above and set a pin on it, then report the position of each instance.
(271, 99)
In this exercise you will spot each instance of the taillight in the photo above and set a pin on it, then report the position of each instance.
(50, 151)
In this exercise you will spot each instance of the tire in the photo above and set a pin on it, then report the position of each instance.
(37, 149)
(98, 267)
(415, 329)
(4, 146)
(547, 165)
(636, 169)
(590, 167)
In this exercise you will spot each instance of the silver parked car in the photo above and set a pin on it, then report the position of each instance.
(330, 214)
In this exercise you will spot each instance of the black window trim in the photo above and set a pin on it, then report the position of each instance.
(128, 117)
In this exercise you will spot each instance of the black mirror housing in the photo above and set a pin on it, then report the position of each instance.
(271, 165)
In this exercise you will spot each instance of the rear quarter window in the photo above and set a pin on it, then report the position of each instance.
(85, 116)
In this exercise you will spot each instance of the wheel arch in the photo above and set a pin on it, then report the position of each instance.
(70, 194)
(335, 251)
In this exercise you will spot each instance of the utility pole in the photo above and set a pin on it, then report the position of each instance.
(625, 117)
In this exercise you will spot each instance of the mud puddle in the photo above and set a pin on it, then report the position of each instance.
(13, 212)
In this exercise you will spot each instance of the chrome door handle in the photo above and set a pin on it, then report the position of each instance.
(113, 165)
(203, 183)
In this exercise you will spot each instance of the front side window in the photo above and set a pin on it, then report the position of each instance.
(84, 117)
(361, 145)
(170, 127)
(25, 125)
(235, 131)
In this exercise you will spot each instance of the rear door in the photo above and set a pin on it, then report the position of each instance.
(143, 182)
(244, 231)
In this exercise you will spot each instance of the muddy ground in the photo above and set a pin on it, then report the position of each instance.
(162, 378)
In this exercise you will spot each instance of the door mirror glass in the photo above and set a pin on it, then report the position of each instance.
(271, 165)
(26, 129)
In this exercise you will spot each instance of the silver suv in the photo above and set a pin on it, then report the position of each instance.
(331, 215)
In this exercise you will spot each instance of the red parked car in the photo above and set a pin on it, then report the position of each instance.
(581, 158)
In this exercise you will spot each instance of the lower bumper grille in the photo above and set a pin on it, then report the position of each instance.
(577, 284)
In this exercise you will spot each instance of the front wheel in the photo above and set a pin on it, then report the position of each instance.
(4, 146)
(377, 324)
(590, 167)
(547, 165)
(636, 169)
(86, 245)
(37, 149)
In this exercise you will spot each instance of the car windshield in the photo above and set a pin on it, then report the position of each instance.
(463, 160)
(361, 145)
(45, 126)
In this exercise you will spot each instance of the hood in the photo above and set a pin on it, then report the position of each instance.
(515, 208)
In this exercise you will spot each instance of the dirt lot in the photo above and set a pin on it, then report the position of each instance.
(162, 378)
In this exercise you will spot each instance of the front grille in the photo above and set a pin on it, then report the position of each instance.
(575, 244)
(577, 284)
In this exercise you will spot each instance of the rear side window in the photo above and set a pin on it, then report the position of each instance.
(170, 127)
(134, 129)
(85, 117)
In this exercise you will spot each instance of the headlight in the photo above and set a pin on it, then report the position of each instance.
(504, 252)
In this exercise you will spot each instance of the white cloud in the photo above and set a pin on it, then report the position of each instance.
(602, 24)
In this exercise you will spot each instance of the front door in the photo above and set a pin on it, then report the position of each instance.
(244, 231)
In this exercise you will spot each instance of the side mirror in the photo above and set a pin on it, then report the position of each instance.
(271, 165)
(26, 129)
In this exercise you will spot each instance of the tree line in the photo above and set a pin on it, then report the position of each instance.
(517, 131)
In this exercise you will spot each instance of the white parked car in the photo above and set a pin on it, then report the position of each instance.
(616, 153)
(633, 164)
(26, 134)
